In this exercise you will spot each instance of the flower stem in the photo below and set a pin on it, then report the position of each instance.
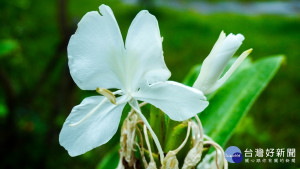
(136, 107)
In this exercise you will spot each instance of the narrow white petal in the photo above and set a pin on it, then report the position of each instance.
(215, 63)
(221, 38)
(96, 50)
(225, 77)
(224, 53)
(178, 101)
(90, 125)
(144, 54)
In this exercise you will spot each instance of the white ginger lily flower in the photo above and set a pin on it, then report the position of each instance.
(99, 60)
(214, 64)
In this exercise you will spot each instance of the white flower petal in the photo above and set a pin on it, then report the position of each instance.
(144, 54)
(226, 76)
(178, 101)
(221, 38)
(215, 63)
(95, 51)
(96, 129)
(218, 59)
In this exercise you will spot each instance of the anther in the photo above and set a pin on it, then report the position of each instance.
(108, 94)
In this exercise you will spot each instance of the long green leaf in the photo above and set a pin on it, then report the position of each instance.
(111, 159)
(157, 122)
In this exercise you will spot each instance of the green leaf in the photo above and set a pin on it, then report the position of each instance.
(7, 46)
(175, 136)
(234, 99)
(157, 122)
(3, 107)
(192, 75)
(111, 159)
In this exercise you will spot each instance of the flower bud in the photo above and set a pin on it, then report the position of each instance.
(170, 161)
(215, 63)
(152, 165)
(194, 156)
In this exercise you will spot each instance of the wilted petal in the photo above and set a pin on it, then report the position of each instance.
(95, 51)
(96, 129)
(178, 101)
(144, 55)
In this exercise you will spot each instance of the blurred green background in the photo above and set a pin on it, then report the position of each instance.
(37, 92)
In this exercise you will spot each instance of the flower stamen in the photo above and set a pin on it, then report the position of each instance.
(136, 107)
(185, 140)
(217, 147)
(170, 161)
(89, 113)
(194, 155)
(152, 164)
(108, 94)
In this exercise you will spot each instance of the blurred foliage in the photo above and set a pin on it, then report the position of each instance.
(151, 2)
(37, 92)
(7, 46)
(243, 1)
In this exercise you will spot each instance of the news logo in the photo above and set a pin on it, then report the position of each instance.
(233, 154)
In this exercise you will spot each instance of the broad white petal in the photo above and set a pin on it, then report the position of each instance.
(144, 54)
(95, 51)
(99, 125)
(178, 101)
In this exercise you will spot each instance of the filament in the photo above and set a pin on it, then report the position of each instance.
(147, 142)
(89, 113)
(217, 147)
(122, 101)
(200, 127)
(136, 107)
(185, 140)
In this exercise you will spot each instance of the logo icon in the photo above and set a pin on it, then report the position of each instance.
(233, 154)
